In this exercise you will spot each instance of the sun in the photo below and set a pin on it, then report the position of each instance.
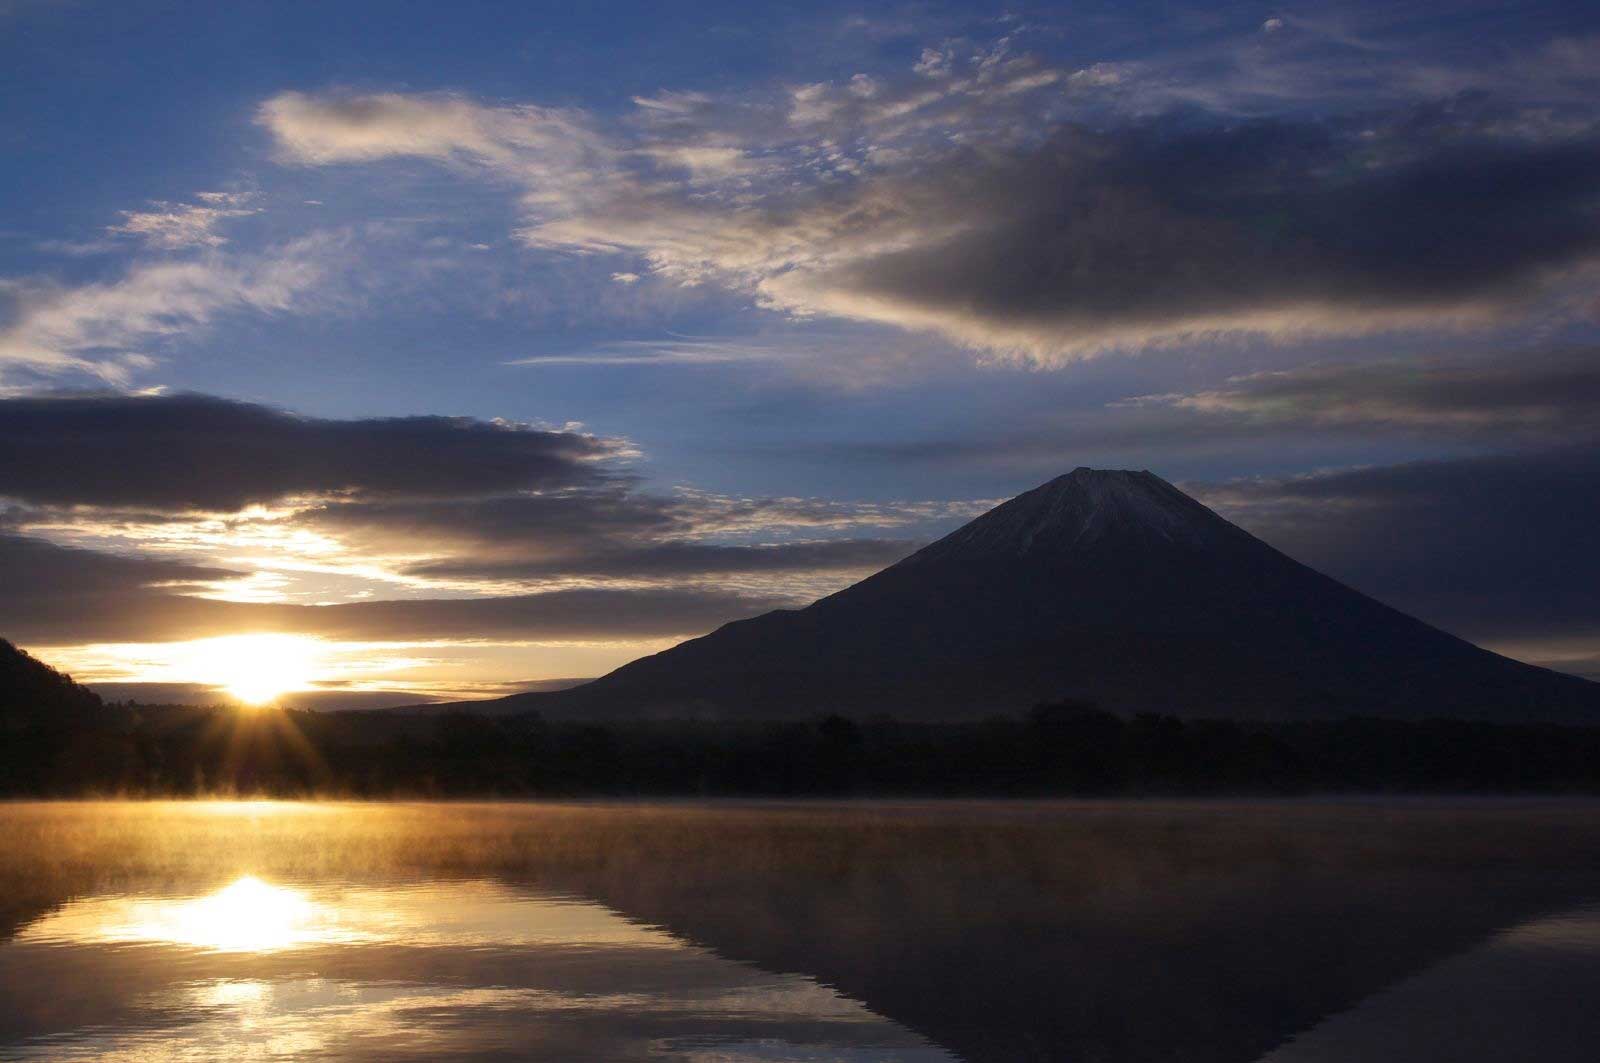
(256, 669)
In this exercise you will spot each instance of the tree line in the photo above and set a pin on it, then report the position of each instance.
(1064, 748)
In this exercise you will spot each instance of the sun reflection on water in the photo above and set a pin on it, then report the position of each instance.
(251, 914)
(247, 915)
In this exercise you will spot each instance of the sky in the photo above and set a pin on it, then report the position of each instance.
(382, 351)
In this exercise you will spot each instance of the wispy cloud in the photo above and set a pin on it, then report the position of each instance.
(661, 352)
(109, 329)
(830, 358)
(174, 226)
(557, 158)
(1555, 398)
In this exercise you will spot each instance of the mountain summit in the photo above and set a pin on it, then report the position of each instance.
(1109, 586)
(1075, 511)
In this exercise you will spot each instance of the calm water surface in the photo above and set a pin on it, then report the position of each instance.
(1289, 933)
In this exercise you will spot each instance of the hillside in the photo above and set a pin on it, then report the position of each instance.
(33, 693)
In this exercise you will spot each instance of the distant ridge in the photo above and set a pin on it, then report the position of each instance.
(1109, 586)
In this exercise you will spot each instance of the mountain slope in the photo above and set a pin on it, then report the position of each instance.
(1112, 586)
(32, 692)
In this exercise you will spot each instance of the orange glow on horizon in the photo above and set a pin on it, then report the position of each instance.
(303, 669)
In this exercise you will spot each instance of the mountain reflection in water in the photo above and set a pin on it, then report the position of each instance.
(766, 932)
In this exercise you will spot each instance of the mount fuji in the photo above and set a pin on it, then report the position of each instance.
(1108, 586)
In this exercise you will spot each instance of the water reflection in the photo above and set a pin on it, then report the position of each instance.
(249, 915)
(992, 933)
(448, 970)
(246, 916)
(1527, 993)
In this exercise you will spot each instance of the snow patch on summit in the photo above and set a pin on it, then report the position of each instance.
(1083, 508)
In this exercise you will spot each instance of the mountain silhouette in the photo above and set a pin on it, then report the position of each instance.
(32, 693)
(1108, 586)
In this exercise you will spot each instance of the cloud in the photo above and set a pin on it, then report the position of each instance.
(362, 128)
(62, 596)
(601, 565)
(948, 89)
(706, 161)
(525, 527)
(673, 352)
(843, 357)
(1094, 241)
(1498, 548)
(173, 226)
(106, 329)
(33, 568)
(1032, 211)
(265, 514)
(195, 452)
(598, 564)
(1338, 412)
(560, 162)
(240, 517)
(57, 594)
(722, 514)
(934, 63)
(1540, 397)
(685, 560)
(581, 518)
(1341, 61)
(178, 693)
(624, 536)
(570, 615)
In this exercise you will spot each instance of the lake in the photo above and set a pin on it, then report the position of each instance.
(1287, 932)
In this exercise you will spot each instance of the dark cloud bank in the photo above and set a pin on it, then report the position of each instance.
(203, 453)
(418, 484)
(1100, 234)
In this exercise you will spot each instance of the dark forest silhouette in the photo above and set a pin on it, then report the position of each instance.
(1063, 749)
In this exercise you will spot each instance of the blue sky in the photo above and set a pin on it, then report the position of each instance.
(779, 279)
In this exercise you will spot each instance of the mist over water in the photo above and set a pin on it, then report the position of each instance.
(769, 932)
